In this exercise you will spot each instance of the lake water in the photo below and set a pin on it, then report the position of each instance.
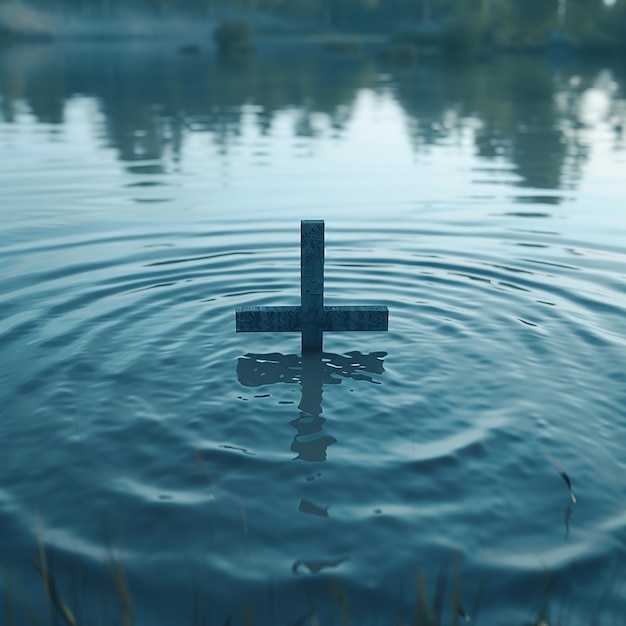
(146, 193)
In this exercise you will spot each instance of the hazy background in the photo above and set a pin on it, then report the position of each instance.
(461, 25)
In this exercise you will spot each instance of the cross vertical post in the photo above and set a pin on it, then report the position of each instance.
(312, 284)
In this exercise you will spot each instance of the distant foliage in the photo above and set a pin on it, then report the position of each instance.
(403, 49)
(234, 37)
(401, 53)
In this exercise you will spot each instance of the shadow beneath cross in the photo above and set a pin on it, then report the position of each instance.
(311, 372)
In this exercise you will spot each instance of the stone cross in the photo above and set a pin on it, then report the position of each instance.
(311, 318)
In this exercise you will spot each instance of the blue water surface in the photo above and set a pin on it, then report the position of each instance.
(145, 194)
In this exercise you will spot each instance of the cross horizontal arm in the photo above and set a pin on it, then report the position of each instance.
(263, 319)
(348, 318)
(258, 319)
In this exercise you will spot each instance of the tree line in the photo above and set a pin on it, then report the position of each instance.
(595, 24)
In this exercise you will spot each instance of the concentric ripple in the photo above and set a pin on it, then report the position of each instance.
(502, 346)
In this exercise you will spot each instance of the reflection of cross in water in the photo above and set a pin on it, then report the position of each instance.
(312, 371)
(311, 318)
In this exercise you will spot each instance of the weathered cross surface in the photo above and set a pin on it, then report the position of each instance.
(311, 318)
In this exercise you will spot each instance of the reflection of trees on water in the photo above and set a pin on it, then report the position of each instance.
(32, 75)
(586, 99)
(513, 106)
(518, 109)
(151, 98)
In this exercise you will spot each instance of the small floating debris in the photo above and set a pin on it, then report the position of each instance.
(519, 319)
(568, 516)
(565, 477)
(237, 448)
(306, 506)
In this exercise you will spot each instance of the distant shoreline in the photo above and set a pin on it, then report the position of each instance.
(21, 24)
(338, 43)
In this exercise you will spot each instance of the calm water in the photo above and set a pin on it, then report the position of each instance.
(145, 193)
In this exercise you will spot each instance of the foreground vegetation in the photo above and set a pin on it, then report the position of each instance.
(446, 603)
